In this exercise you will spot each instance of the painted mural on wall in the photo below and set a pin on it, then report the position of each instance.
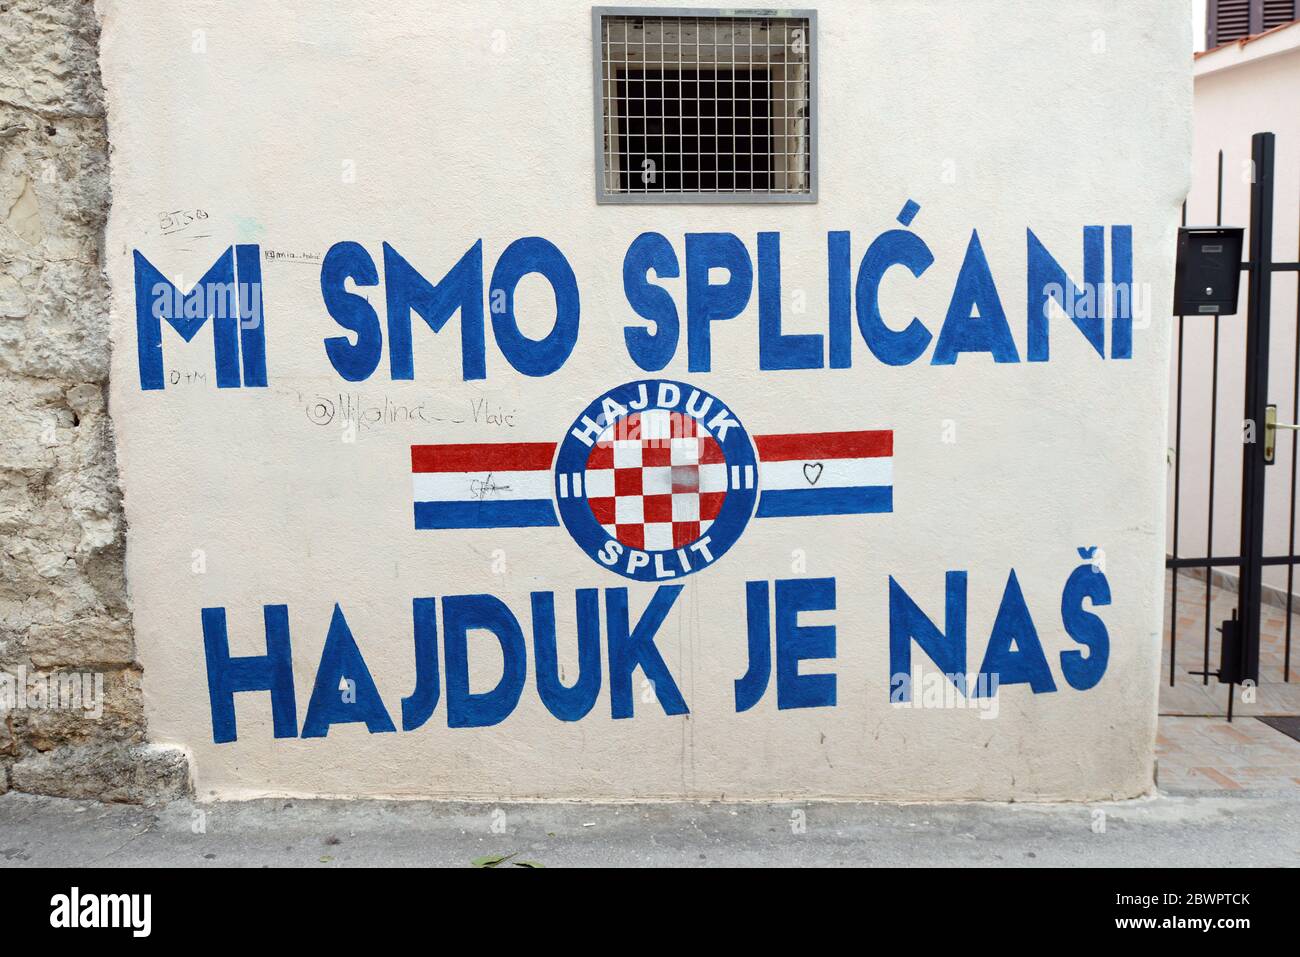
(443, 478)
(654, 479)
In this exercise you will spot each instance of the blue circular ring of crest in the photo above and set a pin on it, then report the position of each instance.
(645, 395)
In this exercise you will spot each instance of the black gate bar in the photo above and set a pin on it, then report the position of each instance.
(1260, 268)
(1258, 315)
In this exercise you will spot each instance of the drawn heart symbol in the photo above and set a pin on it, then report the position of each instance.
(812, 471)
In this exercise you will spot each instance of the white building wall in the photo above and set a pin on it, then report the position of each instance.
(430, 127)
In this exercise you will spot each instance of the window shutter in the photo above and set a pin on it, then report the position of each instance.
(1278, 12)
(1229, 21)
(1232, 20)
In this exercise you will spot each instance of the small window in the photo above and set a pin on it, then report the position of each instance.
(705, 106)
(1231, 20)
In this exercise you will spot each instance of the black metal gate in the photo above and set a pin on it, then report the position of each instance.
(1239, 659)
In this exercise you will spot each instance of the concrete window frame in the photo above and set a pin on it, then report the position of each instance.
(605, 129)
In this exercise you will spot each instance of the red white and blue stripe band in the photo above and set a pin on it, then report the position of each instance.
(483, 485)
(655, 479)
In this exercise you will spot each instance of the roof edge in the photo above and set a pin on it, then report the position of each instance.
(1258, 46)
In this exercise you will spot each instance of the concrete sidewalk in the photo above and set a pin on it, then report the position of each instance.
(1242, 829)
(1230, 797)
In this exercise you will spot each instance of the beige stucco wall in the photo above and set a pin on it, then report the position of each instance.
(472, 120)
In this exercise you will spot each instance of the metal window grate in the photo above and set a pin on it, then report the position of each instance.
(705, 106)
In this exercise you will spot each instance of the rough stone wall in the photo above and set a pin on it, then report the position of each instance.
(63, 599)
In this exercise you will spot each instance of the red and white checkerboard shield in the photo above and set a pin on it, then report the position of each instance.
(656, 480)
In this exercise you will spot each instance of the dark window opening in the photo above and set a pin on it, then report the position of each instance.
(705, 109)
(695, 130)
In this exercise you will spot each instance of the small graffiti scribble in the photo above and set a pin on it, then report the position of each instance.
(482, 488)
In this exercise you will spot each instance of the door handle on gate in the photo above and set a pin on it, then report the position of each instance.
(1271, 425)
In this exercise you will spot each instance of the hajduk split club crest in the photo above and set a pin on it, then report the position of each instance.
(654, 480)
